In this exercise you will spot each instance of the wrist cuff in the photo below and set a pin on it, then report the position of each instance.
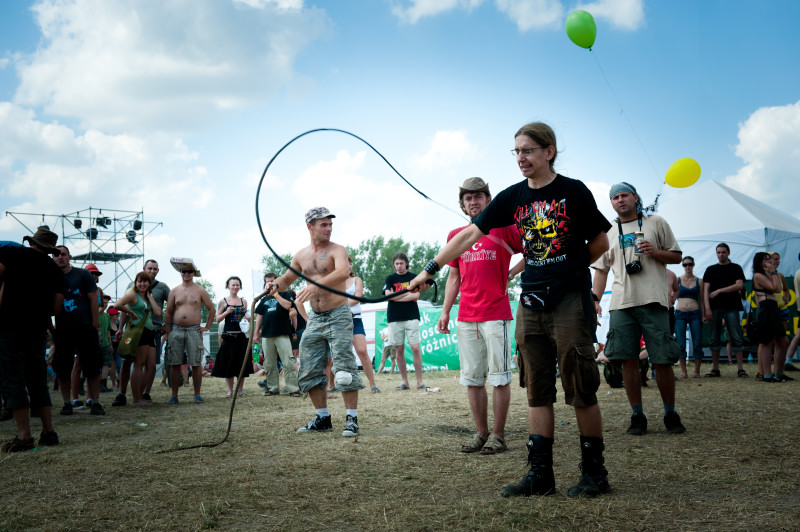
(432, 267)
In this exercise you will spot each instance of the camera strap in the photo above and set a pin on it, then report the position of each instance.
(621, 239)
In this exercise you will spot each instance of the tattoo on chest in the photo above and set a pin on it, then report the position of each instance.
(320, 262)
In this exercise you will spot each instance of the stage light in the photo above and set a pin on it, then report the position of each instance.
(101, 221)
(77, 223)
(137, 225)
(91, 233)
(131, 236)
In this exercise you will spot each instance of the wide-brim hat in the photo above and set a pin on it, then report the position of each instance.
(184, 263)
(473, 184)
(44, 238)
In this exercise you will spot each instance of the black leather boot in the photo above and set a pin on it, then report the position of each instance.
(540, 479)
(594, 476)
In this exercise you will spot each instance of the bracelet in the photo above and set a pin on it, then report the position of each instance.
(594, 296)
(432, 267)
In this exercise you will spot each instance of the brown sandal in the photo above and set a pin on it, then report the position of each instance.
(494, 445)
(477, 443)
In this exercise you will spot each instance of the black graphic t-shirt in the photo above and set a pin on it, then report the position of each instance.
(77, 310)
(400, 310)
(275, 321)
(555, 223)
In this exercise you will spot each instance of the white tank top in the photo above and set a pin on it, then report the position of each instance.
(351, 289)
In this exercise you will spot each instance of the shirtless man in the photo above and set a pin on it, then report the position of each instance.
(184, 330)
(329, 327)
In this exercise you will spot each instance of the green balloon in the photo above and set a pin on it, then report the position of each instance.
(581, 28)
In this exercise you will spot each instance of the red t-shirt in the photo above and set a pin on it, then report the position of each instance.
(484, 274)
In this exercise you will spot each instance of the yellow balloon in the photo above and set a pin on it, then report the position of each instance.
(683, 173)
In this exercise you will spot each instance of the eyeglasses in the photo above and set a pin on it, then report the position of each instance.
(687, 264)
(187, 271)
(527, 151)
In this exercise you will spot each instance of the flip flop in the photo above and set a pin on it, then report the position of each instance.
(242, 394)
(375, 389)
(421, 387)
(198, 399)
(172, 401)
(228, 395)
(403, 387)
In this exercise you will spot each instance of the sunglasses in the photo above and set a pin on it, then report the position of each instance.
(58, 254)
(687, 264)
(187, 271)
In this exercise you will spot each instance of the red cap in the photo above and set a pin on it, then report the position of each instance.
(92, 268)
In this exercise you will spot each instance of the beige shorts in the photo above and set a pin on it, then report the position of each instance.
(185, 340)
(399, 331)
(484, 348)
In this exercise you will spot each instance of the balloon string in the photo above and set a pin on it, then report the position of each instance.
(625, 115)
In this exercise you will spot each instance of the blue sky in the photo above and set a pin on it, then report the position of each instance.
(175, 109)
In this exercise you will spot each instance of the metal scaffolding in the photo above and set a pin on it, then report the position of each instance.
(99, 236)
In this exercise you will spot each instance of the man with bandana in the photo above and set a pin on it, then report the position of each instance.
(639, 301)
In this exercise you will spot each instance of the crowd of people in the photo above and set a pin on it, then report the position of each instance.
(552, 220)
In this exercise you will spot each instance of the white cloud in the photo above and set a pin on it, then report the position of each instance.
(448, 148)
(623, 14)
(429, 8)
(51, 166)
(769, 145)
(126, 66)
(533, 14)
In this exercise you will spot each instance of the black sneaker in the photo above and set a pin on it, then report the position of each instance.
(120, 400)
(638, 425)
(538, 481)
(146, 396)
(590, 485)
(66, 410)
(77, 403)
(48, 438)
(350, 426)
(318, 424)
(16, 445)
(789, 367)
(673, 423)
(105, 389)
(97, 409)
(783, 378)
(263, 384)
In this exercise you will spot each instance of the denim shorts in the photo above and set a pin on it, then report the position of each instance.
(329, 332)
(358, 327)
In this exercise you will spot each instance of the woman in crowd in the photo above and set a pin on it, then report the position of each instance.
(233, 349)
(688, 313)
(138, 303)
(355, 287)
(770, 331)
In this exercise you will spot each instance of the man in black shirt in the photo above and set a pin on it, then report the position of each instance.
(76, 333)
(562, 233)
(33, 287)
(274, 328)
(722, 284)
(402, 314)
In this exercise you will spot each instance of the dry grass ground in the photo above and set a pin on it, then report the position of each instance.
(734, 469)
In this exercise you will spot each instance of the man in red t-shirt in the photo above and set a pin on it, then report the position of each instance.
(481, 274)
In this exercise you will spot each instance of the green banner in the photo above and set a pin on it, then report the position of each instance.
(439, 351)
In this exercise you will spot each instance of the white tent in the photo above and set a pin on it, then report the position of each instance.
(703, 215)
